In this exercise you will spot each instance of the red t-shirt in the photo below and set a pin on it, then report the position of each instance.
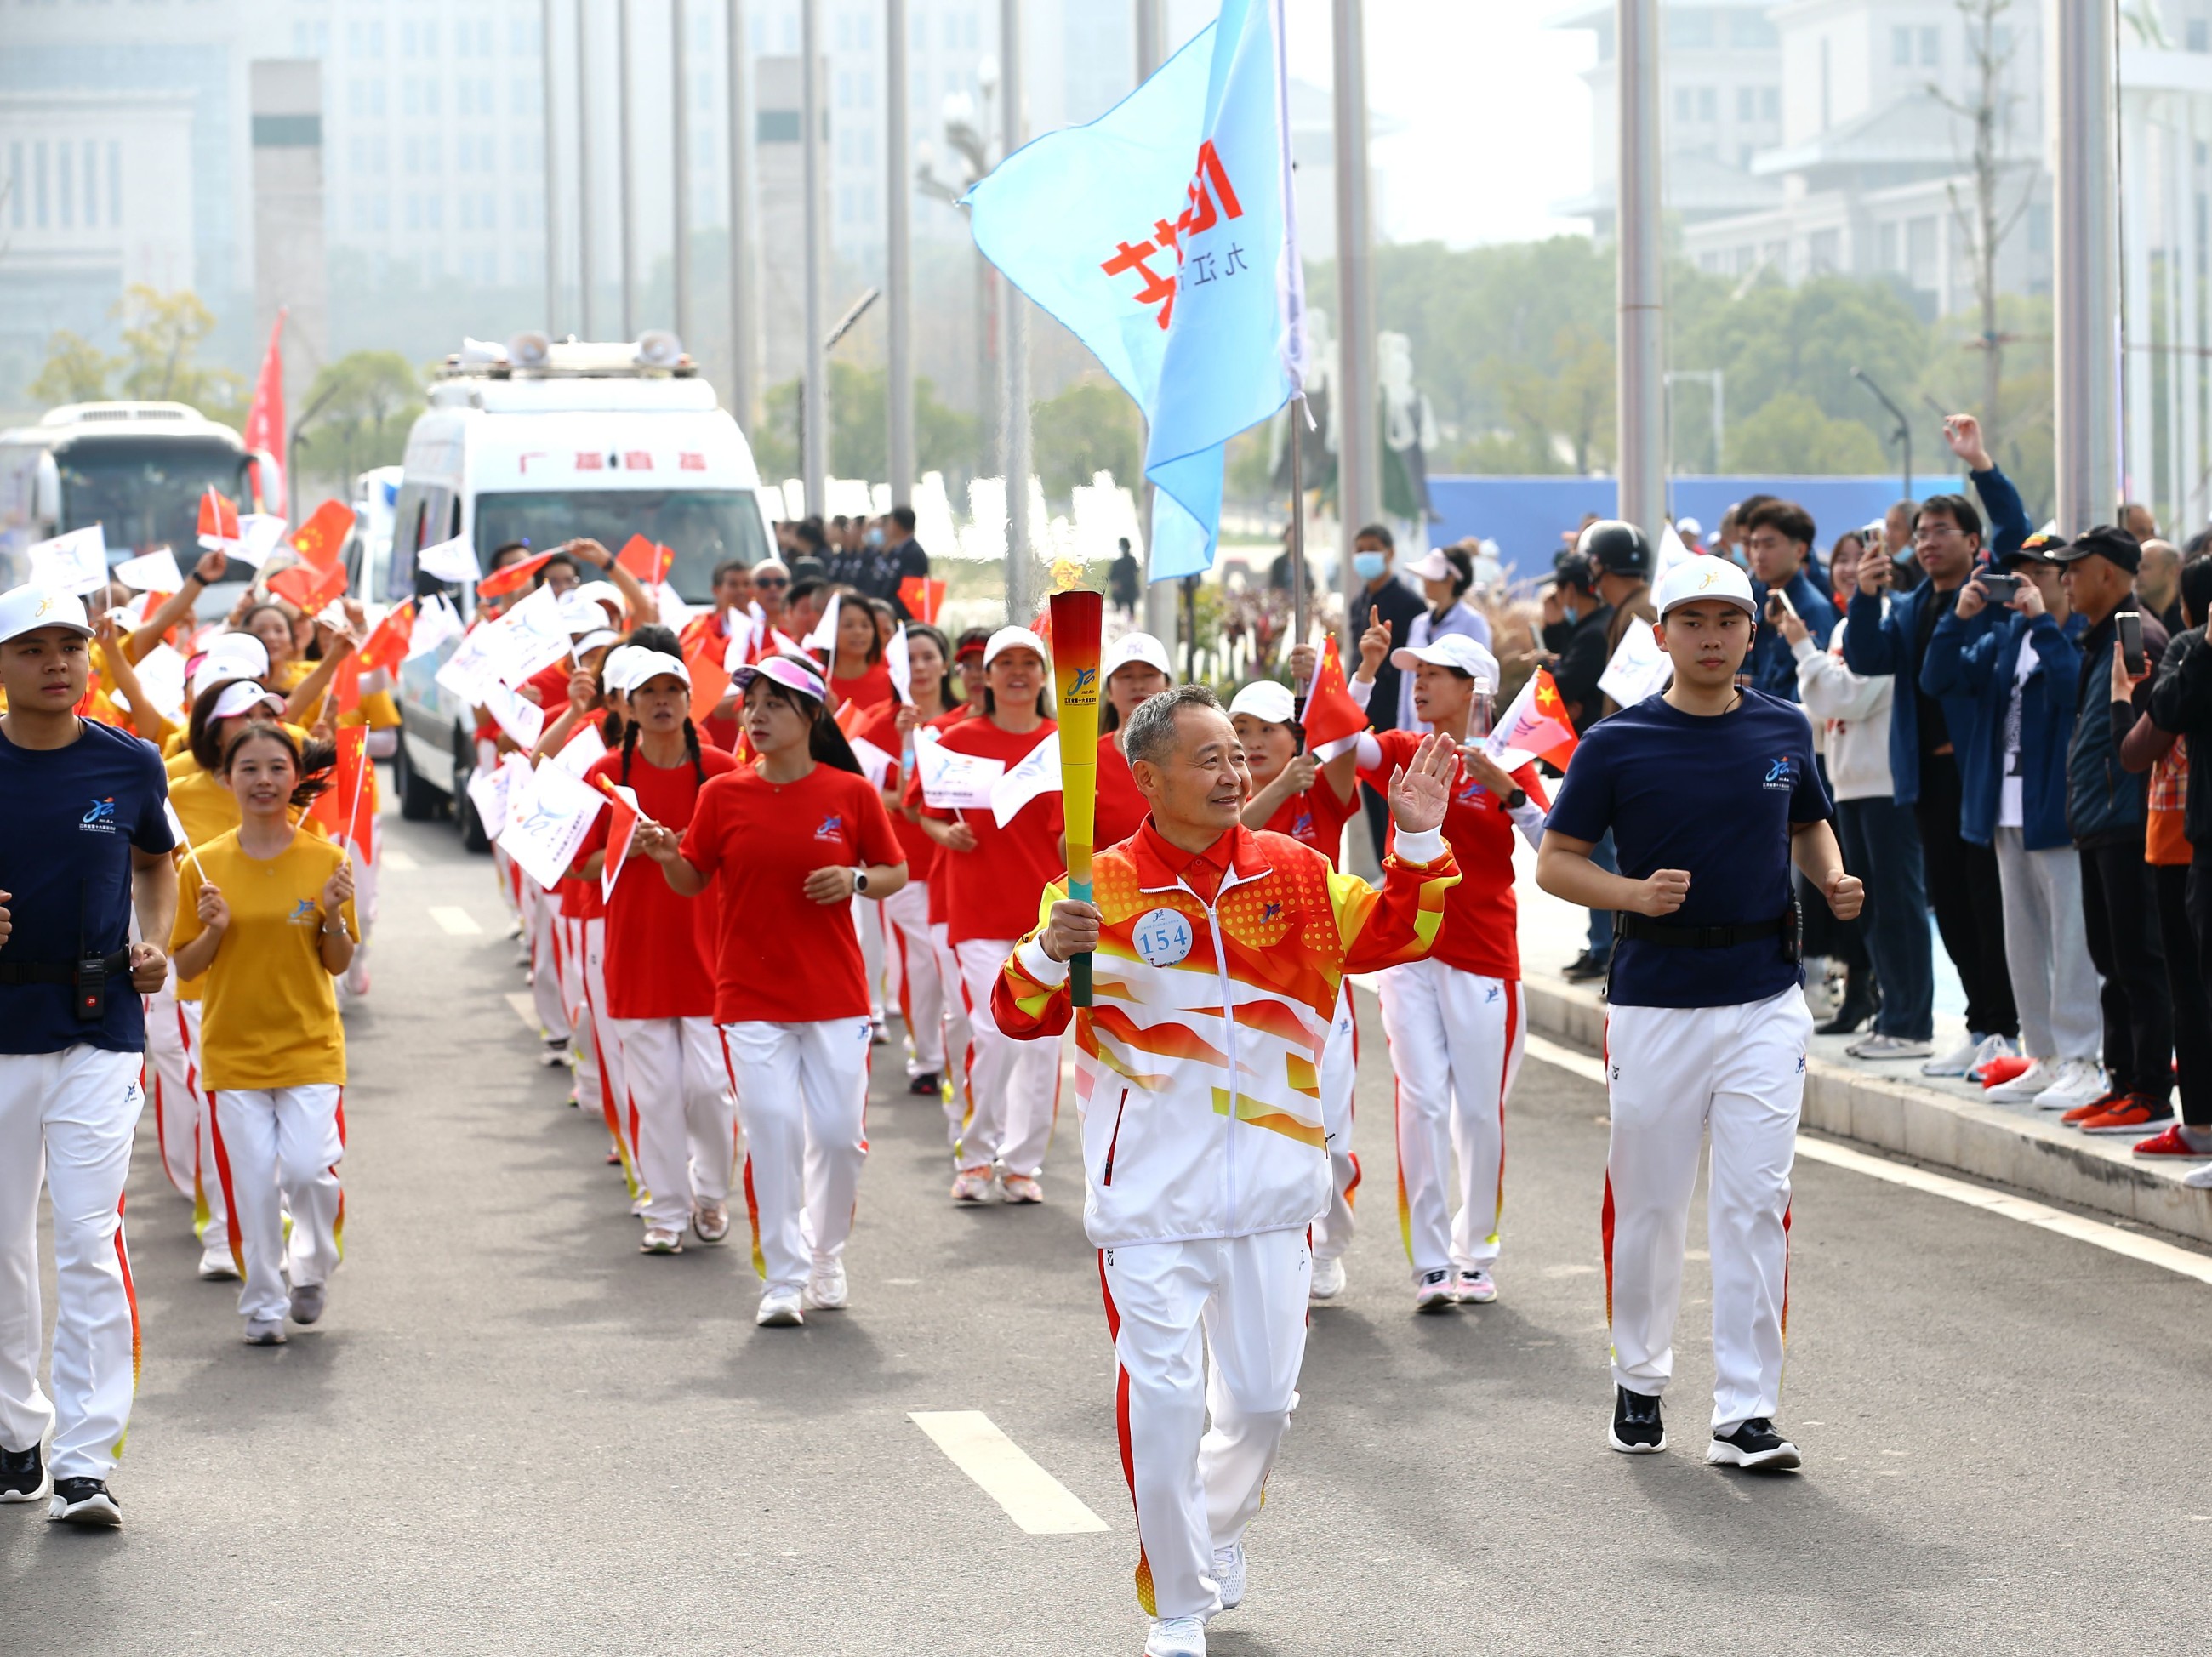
(579, 899)
(993, 891)
(868, 689)
(658, 964)
(784, 958)
(882, 729)
(1121, 809)
(1478, 934)
(1318, 818)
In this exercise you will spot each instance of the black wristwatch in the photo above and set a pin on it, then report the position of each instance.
(1517, 800)
(859, 883)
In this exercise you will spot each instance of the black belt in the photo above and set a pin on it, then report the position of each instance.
(1644, 929)
(58, 972)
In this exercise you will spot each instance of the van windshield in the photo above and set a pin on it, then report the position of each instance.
(704, 527)
(144, 491)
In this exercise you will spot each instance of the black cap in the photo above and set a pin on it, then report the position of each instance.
(1577, 570)
(2108, 542)
(2038, 549)
(1616, 547)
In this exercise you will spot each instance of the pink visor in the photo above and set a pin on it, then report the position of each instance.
(783, 670)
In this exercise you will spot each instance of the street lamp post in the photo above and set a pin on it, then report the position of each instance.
(552, 216)
(680, 181)
(744, 325)
(1161, 619)
(624, 185)
(584, 157)
(1358, 441)
(1013, 312)
(2085, 268)
(1642, 387)
(814, 399)
(898, 261)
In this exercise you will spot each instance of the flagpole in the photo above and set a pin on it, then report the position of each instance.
(1298, 408)
(360, 776)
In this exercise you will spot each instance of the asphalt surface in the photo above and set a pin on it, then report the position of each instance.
(512, 1433)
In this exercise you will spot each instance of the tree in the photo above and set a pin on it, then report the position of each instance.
(75, 371)
(1090, 427)
(358, 414)
(162, 337)
(944, 438)
(1791, 435)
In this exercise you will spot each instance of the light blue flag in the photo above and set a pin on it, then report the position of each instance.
(1158, 235)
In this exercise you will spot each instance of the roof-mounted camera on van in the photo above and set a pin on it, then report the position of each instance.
(533, 355)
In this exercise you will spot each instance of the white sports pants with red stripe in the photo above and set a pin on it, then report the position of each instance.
(67, 1116)
(575, 996)
(1456, 1043)
(868, 923)
(678, 1086)
(923, 989)
(1340, 1071)
(1240, 1302)
(959, 1033)
(597, 1035)
(803, 1096)
(1673, 1073)
(279, 1149)
(1013, 1087)
(541, 920)
(185, 1133)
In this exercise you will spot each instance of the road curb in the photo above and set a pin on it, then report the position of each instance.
(2031, 1153)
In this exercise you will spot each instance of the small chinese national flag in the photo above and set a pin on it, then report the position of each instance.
(710, 683)
(516, 575)
(922, 597)
(386, 646)
(648, 562)
(1330, 713)
(1535, 724)
(309, 587)
(336, 805)
(622, 824)
(318, 539)
(218, 521)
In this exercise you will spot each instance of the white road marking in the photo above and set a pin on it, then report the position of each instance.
(525, 1007)
(1032, 1497)
(2111, 1238)
(458, 922)
(399, 861)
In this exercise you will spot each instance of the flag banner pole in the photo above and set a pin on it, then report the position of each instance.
(1077, 617)
(1298, 523)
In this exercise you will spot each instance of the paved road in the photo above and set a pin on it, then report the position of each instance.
(514, 1433)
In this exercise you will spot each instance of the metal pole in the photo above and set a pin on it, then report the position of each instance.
(744, 325)
(623, 186)
(583, 167)
(814, 399)
(552, 194)
(898, 259)
(1357, 443)
(2085, 266)
(1162, 619)
(1298, 520)
(680, 187)
(1014, 406)
(1642, 389)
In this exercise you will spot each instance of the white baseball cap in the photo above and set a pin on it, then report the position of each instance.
(1265, 699)
(1704, 577)
(1688, 528)
(653, 665)
(594, 639)
(614, 669)
(1013, 638)
(1135, 647)
(606, 594)
(25, 610)
(1453, 650)
(232, 656)
(243, 697)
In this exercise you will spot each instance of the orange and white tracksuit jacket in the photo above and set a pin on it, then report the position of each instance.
(1198, 1074)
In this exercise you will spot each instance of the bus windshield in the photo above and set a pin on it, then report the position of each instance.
(704, 527)
(144, 492)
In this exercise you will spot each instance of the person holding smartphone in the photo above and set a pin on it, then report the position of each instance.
(1777, 539)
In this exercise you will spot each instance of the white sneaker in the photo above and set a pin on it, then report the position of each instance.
(1176, 1636)
(1327, 1280)
(660, 1240)
(1957, 1061)
(780, 1308)
(1432, 1292)
(2198, 1178)
(1473, 1287)
(972, 1185)
(1228, 1572)
(265, 1332)
(216, 1264)
(826, 1289)
(711, 1220)
(1993, 1047)
(2023, 1087)
(2077, 1082)
(1020, 1188)
(1889, 1046)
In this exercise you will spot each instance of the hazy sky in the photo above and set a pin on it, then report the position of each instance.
(1496, 118)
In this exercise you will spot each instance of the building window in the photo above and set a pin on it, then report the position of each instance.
(1901, 47)
(2200, 35)
(114, 183)
(1689, 29)
(1886, 246)
(1920, 251)
(468, 205)
(91, 185)
(1683, 102)
(1826, 251)
(1746, 104)
(1709, 104)
(39, 175)
(1932, 47)
(1770, 103)
(434, 212)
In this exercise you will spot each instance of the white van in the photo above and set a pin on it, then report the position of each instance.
(543, 443)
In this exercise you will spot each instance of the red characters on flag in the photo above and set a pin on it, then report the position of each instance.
(1210, 199)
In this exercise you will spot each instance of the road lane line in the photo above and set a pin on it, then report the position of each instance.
(1032, 1497)
(525, 1008)
(456, 922)
(400, 862)
(2111, 1238)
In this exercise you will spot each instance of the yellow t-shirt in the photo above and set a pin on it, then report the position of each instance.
(269, 1015)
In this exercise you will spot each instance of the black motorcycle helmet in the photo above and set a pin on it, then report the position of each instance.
(1616, 548)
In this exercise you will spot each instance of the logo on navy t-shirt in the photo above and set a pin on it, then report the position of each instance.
(1782, 775)
(100, 818)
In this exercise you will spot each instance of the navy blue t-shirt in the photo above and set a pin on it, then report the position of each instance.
(1713, 795)
(68, 818)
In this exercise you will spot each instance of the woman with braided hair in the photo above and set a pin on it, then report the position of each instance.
(660, 981)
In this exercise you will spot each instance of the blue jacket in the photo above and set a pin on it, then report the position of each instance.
(1773, 665)
(2106, 803)
(1984, 668)
(1875, 643)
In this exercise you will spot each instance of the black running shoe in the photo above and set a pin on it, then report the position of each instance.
(1755, 1445)
(23, 1475)
(1587, 968)
(1636, 1426)
(926, 1087)
(84, 1501)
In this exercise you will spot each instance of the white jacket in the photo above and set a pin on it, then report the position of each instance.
(1851, 711)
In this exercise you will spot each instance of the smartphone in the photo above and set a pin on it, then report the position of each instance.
(1536, 637)
(1778, 605)
(2129, 624)
(2001, 589)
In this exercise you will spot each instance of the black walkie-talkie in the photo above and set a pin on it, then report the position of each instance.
(90, 984)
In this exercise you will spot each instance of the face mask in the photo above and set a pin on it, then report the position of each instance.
(1369, 564)
(875, 537)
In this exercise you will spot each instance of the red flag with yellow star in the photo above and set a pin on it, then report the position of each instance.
(1535, 726)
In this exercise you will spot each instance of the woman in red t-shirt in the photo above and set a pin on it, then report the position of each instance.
(793, 838)
(1311, 800)
(1136, 667)
(924, 987)
(1454, 1020)
(994, 878)
(660, 989)
(857, 673)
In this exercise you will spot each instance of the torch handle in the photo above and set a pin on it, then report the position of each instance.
(1078, 966)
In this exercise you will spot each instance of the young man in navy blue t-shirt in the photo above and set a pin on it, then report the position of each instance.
(1711, 794)
(84, 840)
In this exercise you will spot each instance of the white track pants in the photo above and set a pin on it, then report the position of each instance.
(1456, 1044)
(598, 1032)
(173, 1077)
(367, 877)
(575, 1002)
(923, 988)
(1013, 1087)
(541, 912)
(1340, 1071)
(1676, 1071)
(868, 922)
(1242, 1301)
(959, 1034)
(279, 1149)
(684, 1123)
(803, 1096)
(69, 1116)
